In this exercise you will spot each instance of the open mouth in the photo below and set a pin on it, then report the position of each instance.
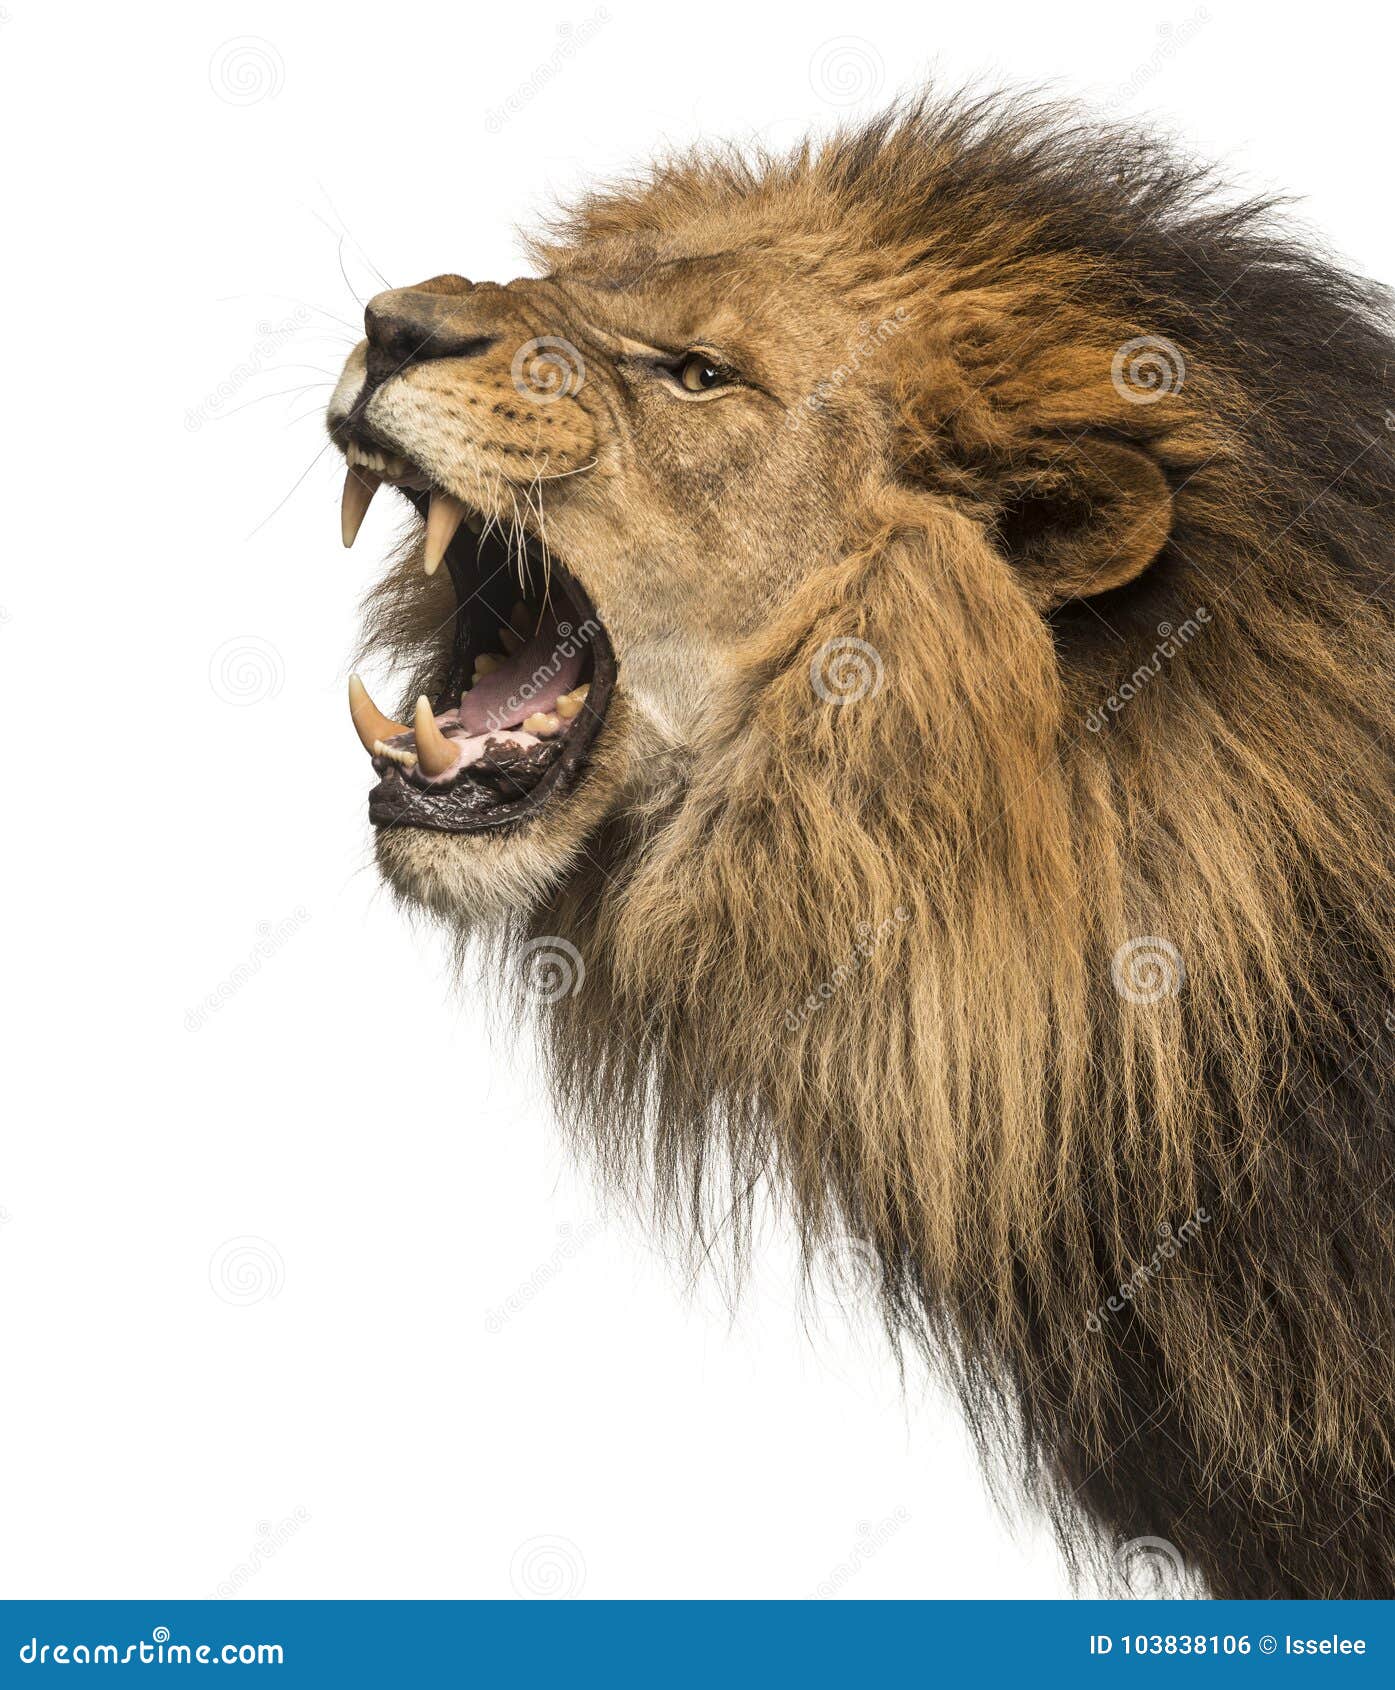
(529, 678)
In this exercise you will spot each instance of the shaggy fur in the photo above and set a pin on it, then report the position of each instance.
(892, 955)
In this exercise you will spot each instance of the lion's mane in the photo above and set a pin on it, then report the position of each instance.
(1065, 976)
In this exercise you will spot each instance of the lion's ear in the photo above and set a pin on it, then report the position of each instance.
(1084, 518)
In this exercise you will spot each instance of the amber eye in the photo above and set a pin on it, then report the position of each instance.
(698, 373)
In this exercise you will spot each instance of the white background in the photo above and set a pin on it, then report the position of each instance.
(301, 1297)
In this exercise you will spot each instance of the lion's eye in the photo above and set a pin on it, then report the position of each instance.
(698, 373)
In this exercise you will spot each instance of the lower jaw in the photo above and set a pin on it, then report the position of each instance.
(471, 805)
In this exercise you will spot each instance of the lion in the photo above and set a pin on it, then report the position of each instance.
(909, 698)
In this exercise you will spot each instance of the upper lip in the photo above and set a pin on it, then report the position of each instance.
(423, 768)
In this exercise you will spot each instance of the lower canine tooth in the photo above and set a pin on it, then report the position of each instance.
(442, 520)
(436, 752)
(486, 663)
(359, 487)
(569, 705)
(370, 724)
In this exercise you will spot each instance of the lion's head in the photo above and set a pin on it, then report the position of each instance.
(922, 610)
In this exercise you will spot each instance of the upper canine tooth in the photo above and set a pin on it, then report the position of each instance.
(436, 752)
(359, 487)
(518, 620)
(369, 722)
(509, 640)
(442, 520)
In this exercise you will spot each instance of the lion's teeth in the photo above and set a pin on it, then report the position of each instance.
(519, 620)
(370, 724)
(486, 663)
(359, 487)
(509, 640)
(442, 521)
(544, 726)
(395, 754)
(436, 752)
(569, 705)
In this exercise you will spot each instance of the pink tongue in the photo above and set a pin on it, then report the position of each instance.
(533, 679)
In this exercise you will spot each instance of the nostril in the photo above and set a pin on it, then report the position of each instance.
(410, 328)
(414, 342)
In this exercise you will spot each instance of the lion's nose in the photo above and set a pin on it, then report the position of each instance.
(411, 325)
